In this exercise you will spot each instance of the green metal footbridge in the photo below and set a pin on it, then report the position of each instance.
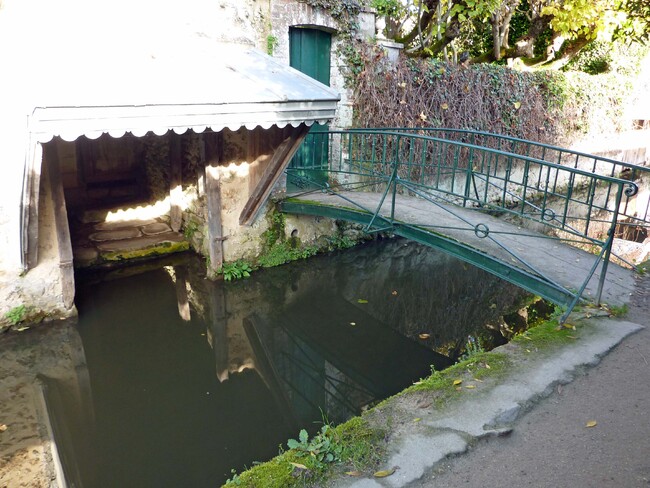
(539, 216)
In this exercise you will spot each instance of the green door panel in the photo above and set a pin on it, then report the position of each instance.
(309, 52)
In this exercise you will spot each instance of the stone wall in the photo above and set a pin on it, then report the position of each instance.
(39, 289)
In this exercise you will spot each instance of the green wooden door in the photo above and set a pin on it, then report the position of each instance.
(309, 52)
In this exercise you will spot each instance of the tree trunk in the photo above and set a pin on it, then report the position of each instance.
(525, 45)
(569, 50)
(428, 15)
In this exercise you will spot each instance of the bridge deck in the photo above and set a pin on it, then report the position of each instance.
(527, 258)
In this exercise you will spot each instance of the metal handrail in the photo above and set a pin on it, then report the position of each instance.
(527, 197)
(481, 178)
(629, 215)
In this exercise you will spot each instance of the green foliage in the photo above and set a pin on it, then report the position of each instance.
(339, 241)
(609, 57)
(282, 252)
(540, 105)
(473, 347)
(277, 249)
(353, 443)
(235, 480)
(480, 366)
(387, 7)
(321, 447)
(635, 25)
(190, 228)
(271, 43)
(236, 270)
(16, 315)
(275, 232)
(346, 14)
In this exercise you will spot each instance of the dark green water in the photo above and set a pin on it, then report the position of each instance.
(168, 402)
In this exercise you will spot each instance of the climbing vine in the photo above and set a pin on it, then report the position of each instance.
(349, 46)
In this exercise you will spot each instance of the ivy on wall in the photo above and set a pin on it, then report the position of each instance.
(346, 14)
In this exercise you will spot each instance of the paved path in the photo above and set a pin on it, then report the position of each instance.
(551, 447)
(508, 243)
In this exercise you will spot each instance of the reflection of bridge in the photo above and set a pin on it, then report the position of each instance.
(509, 206)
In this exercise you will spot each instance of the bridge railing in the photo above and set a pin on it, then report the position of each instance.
(634, 214)
(574, 202)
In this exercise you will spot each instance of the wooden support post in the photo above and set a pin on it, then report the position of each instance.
(215, 235)
(278, 163)
(31, 192)
(61, 222)
(180, 272)
(219, 329)
(176, 182)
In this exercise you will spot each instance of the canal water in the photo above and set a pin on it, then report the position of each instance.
(183, 379)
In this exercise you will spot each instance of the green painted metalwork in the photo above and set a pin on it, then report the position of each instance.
(575, 204)
(526, 280)
(631, 215)
(309, 52)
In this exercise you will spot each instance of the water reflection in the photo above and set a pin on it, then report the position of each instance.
(191, 378)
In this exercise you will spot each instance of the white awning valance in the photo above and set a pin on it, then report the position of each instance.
(237, 87)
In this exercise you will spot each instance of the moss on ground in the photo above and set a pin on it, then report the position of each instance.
(360, 449)
(161, 249)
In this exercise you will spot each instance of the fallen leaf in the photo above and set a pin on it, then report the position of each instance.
(591, 423)
(572, 337)
(493, 306)
(361, 300)
(459, 388)
(424, 336)
(569, 326)
(384, 473)
(3, 427)
(402, 102)
(444, 106)
(470, 387)
(487, 366)
(394, 293)
(300, 466)
(354, 473)
(517, 105)
(476, 379)
(417, 419)
(423, 116)
(466, 88)
(402, 85)
(424, 404)
(418, 383)
(457, 382)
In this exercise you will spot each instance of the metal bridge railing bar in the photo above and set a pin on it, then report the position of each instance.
(573, 204)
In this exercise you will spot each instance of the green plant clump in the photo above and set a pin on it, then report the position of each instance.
(236, 270)
(16, 315)
(352, 444)
(321, 447)
(282, 252)
(271, 43)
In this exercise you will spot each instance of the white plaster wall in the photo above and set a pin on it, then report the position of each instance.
(39, 289)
